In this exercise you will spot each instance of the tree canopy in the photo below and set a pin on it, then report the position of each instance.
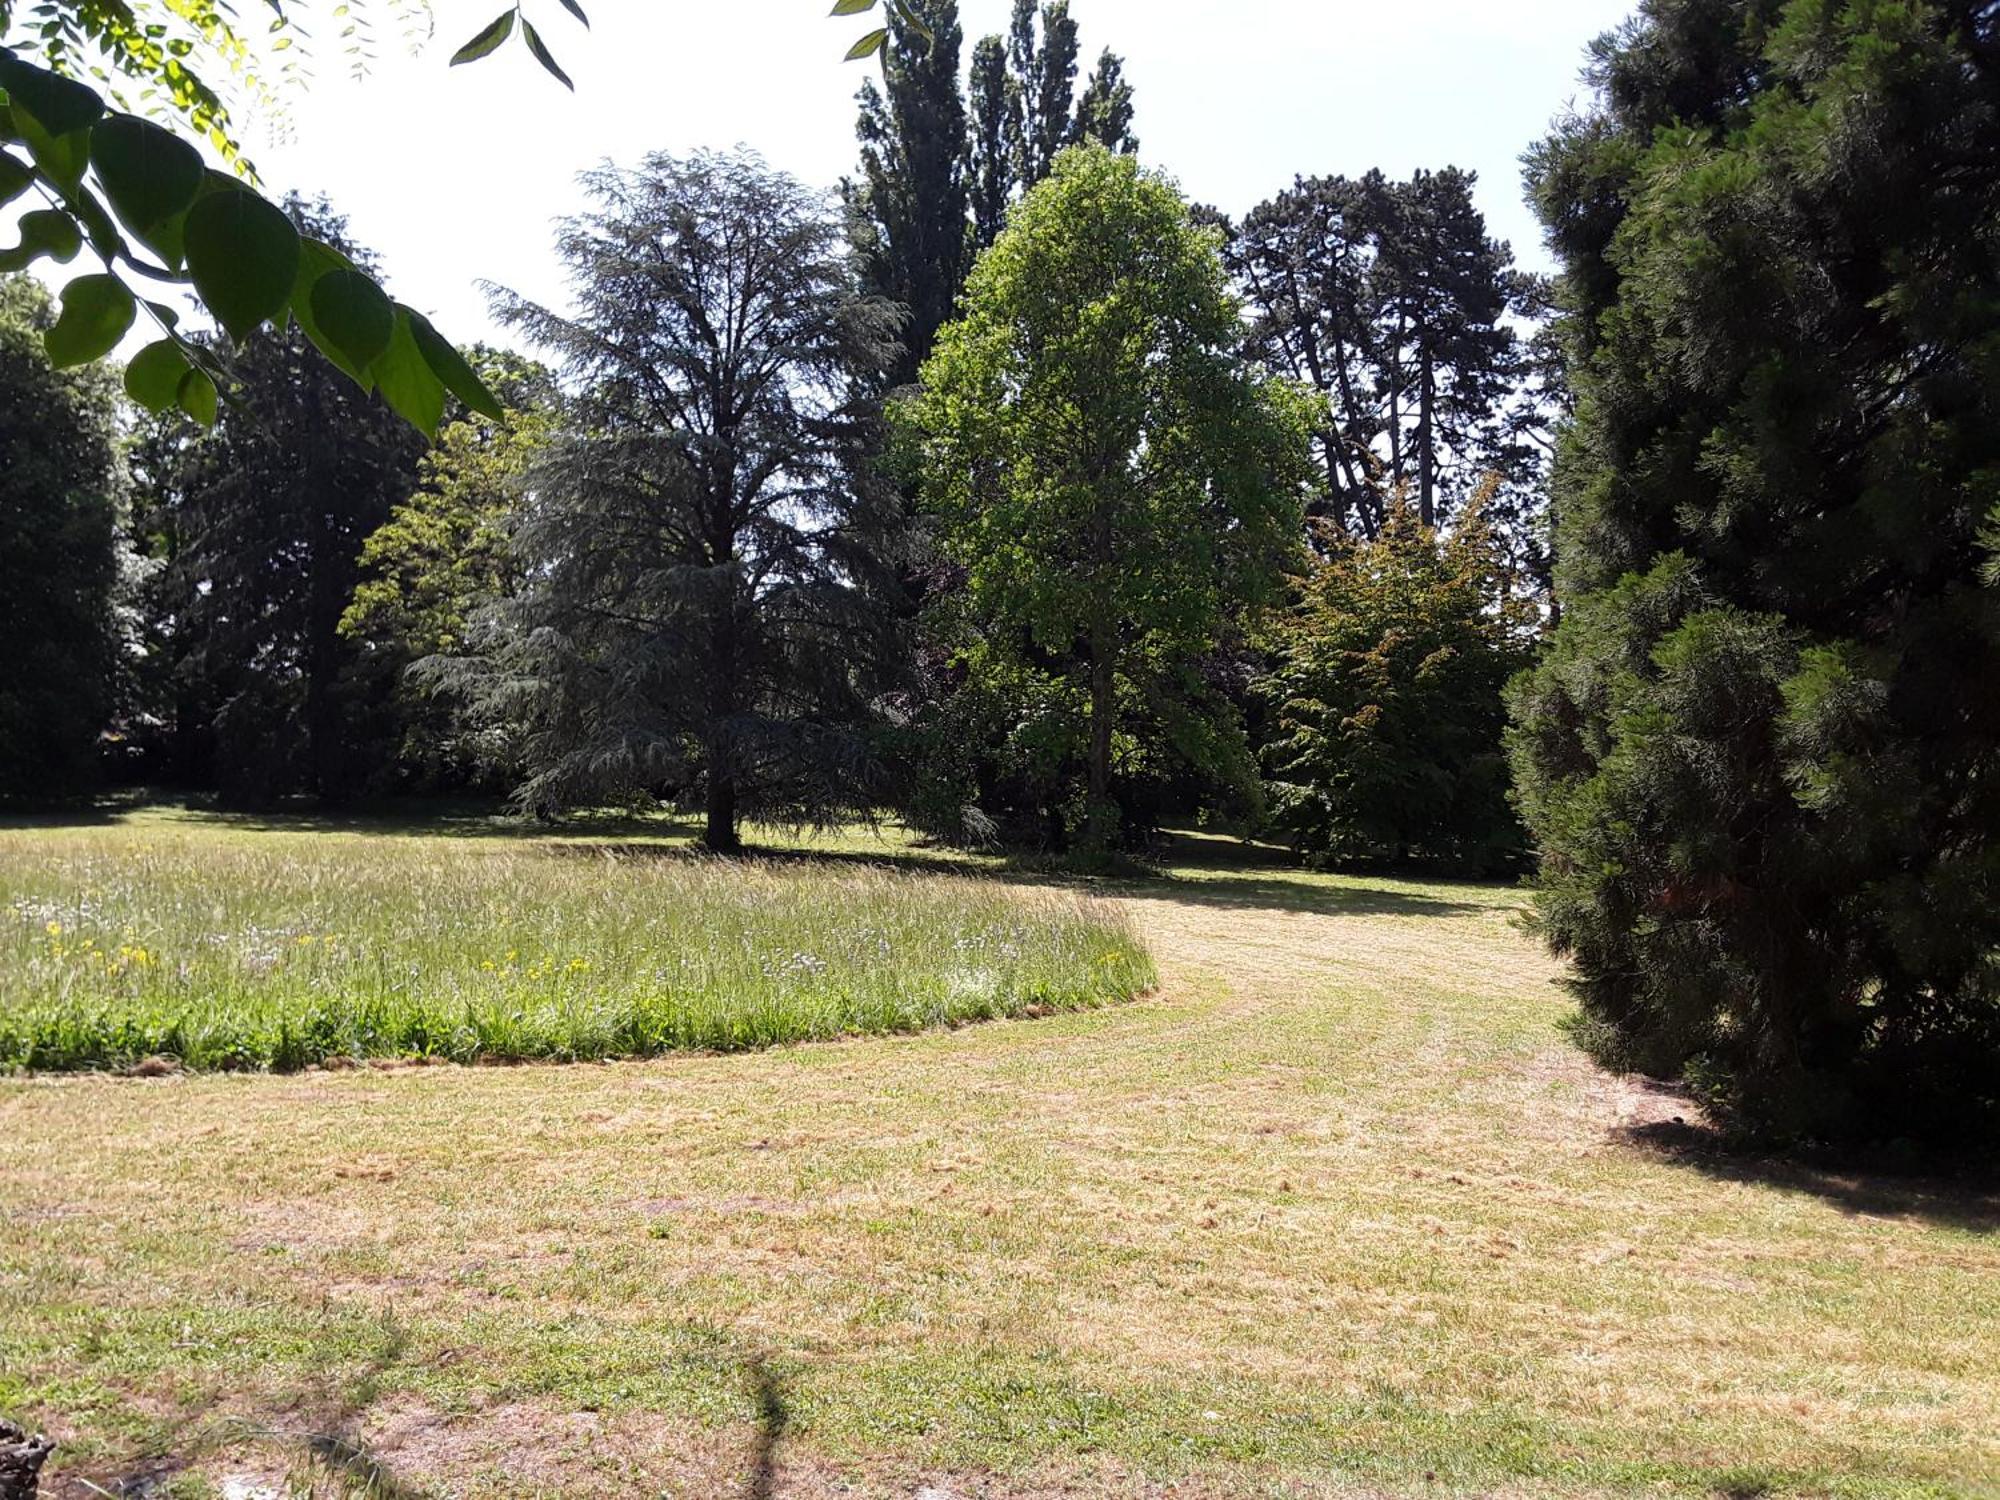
(1763, 756)
(696, 614)
(1113, 480)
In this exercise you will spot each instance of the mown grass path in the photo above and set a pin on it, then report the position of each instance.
(1336, 1212)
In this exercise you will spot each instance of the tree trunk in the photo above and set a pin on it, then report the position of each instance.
(21, 1460)
(1426, 456)
(721, 836)
(1103, 816)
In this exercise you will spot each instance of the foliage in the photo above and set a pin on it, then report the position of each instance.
(1025, 109)
(264, 518)
(1386, 696)
(140, 197)
(442, 558)
(294, 951)
(60, 484)
(1113, 481)
(909, 206)
(701, 606)
(1763, 758)
(144, 203)
(1392, 301)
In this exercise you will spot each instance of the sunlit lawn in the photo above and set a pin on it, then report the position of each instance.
(1337, 1211)
(174, 942)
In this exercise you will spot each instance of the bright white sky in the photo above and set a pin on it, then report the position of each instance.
(454, 174)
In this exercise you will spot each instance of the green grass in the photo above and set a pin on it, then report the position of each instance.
(1336, 1212)
(278, 951)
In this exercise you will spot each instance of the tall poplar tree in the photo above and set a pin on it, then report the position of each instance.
(1762, 760)
(912, 195)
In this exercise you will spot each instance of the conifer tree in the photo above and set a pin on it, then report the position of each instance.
(1762, 760)
(264, 518)
(60, 492)
(701, 612)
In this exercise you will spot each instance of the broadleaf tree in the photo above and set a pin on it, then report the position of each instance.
(1115, 483)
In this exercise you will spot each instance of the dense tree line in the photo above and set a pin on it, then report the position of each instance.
(1008, 491)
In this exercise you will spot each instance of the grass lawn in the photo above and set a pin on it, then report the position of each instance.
(1336, 1211)
(280, 950)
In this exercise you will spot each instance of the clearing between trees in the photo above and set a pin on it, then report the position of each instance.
(1338, 1211)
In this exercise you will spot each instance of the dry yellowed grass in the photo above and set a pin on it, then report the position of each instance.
(1337, 1212)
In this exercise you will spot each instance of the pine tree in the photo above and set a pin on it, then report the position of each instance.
(1390, 298)
(60, 493)
(912, 197)
(1762, 760)
(702, 613)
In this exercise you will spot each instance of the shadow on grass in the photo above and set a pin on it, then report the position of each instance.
(1968, 1202)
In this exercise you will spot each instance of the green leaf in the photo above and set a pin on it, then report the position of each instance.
(496, 31)
(869, 45)
(576, 10)
(534, 40)
(62, 158)
(197, 397)
(44, 232)
(852, 7)
(406, 379)
(59, 105)
(354, 314)
(167, 316)
(450, 367)
(96, 311)
(243, 255)
(153, 378)
(151, 177)
(316, 260)
(15, 175)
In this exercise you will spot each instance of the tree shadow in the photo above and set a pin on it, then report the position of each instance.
(773, 1417)
(1309, 899)
(1855, 1184)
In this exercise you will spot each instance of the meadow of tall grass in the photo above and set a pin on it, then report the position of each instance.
(279, 950)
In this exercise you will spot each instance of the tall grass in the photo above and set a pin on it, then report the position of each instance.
(281, 950)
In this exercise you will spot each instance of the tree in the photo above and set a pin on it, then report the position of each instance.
(992, 170)
(1762, 760)
(1387, 699)
(60, 483)
(268, 513)
(1391, 299)
(1113, 481)
(1025, 109)
(1104, 112)
(911, 201)
(700, 611)
(441, 560)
